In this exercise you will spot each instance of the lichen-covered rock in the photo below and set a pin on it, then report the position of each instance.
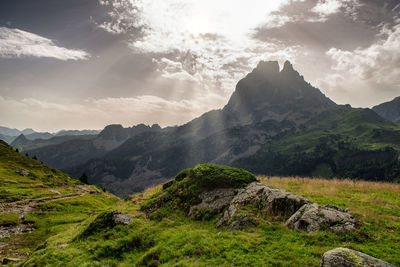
(271, 202)
(312, 218)
(120, 218)
(213, 201)
(344, 257)
(242, 222)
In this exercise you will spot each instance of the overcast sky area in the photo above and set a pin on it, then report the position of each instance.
(84, 64)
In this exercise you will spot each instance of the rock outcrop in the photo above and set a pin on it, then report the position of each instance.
(312, 218)
(120, 218)
(274, 203)
(246, 205)
(344, 257)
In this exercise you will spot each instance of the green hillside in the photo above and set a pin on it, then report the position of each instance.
(37, 202)
(68, 223)
(75, 237)
(339, 142)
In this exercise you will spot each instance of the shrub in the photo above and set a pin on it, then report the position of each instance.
(210, 176)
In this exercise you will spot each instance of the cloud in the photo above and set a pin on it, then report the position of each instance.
(379, 62)
(18, 43)
(194, 40)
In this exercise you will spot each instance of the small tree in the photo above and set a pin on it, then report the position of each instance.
(17, 150)
(34, 157)
(84, 178)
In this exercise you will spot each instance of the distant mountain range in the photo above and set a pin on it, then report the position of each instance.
(9, 135)
(275, 123)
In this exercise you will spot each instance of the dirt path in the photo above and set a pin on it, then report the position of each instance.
(25, 206)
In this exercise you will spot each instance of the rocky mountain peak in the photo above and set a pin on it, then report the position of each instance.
(267, 68)
(113, 131)
(287, 67)
(267, 93)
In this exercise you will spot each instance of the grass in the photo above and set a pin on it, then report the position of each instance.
(9, 219)
(25, 181)
(174, 239)
(178, 241)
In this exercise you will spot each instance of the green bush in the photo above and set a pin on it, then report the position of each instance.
(210, 176)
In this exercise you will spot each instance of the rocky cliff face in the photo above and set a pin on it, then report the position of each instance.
(267, 93)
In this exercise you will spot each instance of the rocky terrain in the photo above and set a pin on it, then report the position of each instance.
(245, 204)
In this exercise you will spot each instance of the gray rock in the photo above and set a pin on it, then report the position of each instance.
(213, 201)
(312, 218)
(272, 202)
(242, 221)
(23, 172)
(344, 257)
(118, 218)
(95, 192)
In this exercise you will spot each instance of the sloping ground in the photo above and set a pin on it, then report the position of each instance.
(176, 240)
(37, 202)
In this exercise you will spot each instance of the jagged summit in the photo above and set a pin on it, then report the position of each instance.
(267, 93)
(267, 68)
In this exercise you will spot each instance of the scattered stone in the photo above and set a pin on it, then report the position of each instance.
(62, 246)
(23, 172)
(10, 181)
(118, 218)
(167, 184)
(312, 218)
(95, 192)
(344, 257)
(5, 191)
(7, 231)
(54, 191)
(10, 260)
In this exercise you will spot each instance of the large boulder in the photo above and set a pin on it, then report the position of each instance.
(312, 218)
(204, 190)
(274, 203)
(344, 257)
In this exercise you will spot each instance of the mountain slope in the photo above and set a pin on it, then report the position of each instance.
(273, 118)
(274, 123)
(63, 152)
(389, 110)
(37, 202)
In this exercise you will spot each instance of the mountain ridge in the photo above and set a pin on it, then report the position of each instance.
(274, 123)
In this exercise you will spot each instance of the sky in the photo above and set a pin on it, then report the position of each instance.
(84, 64)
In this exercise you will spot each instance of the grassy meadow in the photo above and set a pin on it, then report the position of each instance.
(178, 241)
